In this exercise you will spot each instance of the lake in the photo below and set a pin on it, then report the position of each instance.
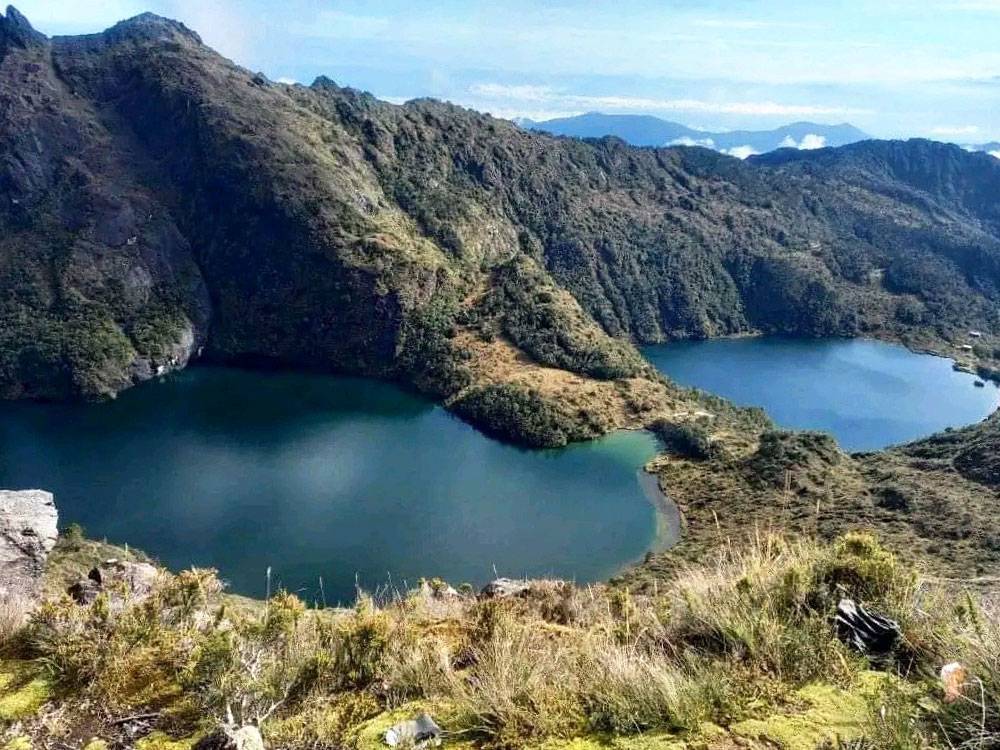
(868, 394)
(358, 481)
(321, 476)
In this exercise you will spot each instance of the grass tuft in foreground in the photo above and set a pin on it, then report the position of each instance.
(741, 649)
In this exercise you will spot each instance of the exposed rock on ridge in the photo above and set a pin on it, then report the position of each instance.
(16, 30)
(27, 534)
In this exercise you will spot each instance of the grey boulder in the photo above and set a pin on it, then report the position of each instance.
(28, 532)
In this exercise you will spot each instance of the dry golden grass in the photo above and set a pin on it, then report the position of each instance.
(726, 640)
(620, 404)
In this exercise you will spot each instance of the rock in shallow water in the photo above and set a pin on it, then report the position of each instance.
(28, 532)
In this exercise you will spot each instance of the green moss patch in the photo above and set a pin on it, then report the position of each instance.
(22, 692)
(163, 741)
(830, 714)
(596, 742)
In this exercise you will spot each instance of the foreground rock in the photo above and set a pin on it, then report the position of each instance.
(505, 588)
(228, 738)
(422, 731)
(119, 579)
(27, 534)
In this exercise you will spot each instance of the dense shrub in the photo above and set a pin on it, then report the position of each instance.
(686, 439)
(514, 413)
(547, 324)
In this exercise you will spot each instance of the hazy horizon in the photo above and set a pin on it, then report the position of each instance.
(899, 69)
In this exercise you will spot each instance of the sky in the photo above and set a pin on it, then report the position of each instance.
(895, 68)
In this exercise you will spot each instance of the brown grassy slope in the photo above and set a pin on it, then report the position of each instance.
(737, 652)
(934, 500)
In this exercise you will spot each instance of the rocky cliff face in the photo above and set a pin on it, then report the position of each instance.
(157, 201)
(100, 288)
(27, 535)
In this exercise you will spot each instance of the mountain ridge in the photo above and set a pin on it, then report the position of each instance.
(648, 130)
(182, 207)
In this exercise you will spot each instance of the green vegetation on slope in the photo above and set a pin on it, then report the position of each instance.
(934, 500)
(181, 203)
(740, 650)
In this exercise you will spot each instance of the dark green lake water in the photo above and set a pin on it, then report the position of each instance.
(868, 394)
(355, 480)
(325, 476)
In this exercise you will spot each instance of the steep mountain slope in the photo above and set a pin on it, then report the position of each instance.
(646, 130)
(85, 307)
(158, 202)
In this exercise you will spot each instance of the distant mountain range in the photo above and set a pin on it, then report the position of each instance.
(646, 130)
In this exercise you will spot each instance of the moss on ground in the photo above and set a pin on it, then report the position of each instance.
(163, 741)
(651, 741)
(23, 691)
(828, 714)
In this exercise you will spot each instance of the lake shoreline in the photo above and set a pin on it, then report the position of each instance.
(930, 346)
(669, 520)
(863, 391)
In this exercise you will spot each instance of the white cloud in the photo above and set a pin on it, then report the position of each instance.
(748, 24)
(289, 81)
(546, 94)
(742, 24)
(335, 24)
(222, 24)
(76, 18)
(995, 154)
(689, 141)
(521, 93)
(974, 6)
(809, 142)
(812, 141)
(741, 152)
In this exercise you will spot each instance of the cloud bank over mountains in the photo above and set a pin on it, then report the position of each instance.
(646, 130)
(809, 142)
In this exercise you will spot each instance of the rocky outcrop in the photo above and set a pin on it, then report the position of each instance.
(505, 588)
(16, 30)
(27, 534)
(121, 580)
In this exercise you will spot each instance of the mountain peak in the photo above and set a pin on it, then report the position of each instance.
(324, 82)
(16, 30)
(151, 26)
